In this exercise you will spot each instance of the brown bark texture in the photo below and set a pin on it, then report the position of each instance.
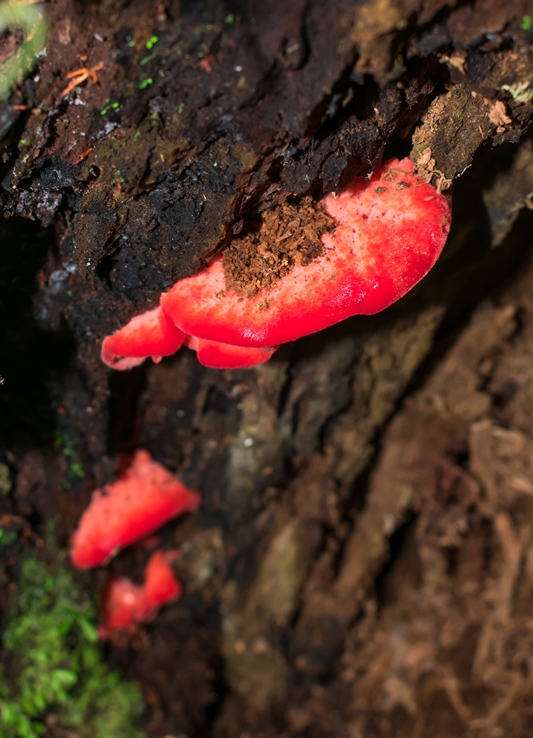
(361, 564)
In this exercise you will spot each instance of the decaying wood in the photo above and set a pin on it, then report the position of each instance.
(331, 590)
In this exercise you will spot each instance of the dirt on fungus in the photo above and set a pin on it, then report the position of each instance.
(288, 236)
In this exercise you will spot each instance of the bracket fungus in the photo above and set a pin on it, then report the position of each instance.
(390, 230)
(145, 496)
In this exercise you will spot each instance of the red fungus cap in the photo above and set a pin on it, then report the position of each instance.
(218, 355)
(148, 334)
(144, 497)
(125, 603)
(391, 230)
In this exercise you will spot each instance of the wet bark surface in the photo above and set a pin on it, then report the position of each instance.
(361, 562)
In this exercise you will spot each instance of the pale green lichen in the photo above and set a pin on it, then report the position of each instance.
(29, 19)
(522, 92)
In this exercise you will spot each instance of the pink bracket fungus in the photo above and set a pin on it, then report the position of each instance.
(145, 496)
(125, 604)
(391, 229)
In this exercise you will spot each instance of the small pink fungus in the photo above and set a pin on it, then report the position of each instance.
(145, 496)
(125, 604)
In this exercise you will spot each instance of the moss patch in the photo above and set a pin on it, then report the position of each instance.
(53, 680)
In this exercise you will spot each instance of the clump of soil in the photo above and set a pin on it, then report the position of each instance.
(287, 237)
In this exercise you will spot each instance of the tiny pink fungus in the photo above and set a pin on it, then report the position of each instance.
(145, 496)
(125, 604)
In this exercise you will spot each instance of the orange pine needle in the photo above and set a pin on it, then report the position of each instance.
(78, 76)
(84, 155)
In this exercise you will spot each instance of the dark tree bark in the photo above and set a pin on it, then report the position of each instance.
(205, 115)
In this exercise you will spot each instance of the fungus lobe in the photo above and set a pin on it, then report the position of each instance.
(145, 496)
(217, 355)
(148, 334)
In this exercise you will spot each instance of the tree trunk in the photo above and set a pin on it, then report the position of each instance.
(348, 573)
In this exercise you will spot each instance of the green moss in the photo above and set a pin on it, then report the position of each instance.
(5, 480)
(75, 468)
(52, 669)
(114, 106)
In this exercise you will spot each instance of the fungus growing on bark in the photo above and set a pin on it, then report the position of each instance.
(391, 230)
(125, 603)
(152, 334)
(145, 496)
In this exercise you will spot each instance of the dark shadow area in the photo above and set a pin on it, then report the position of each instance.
(402, 547)
(125, 390)
(488, 279)
(32, 360)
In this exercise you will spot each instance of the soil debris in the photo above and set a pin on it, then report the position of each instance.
(288, 236)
